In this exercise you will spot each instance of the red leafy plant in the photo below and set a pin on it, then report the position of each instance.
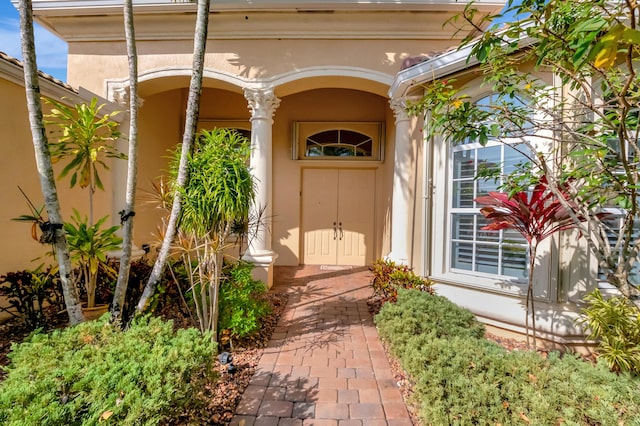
(535, 215)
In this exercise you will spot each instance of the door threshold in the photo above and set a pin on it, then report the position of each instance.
(335, 267)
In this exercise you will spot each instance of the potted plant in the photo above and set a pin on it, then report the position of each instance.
(86, 139)
(89, 245)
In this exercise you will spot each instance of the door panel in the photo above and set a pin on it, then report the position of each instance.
(356, 192)
(344, 198)
(319, 210)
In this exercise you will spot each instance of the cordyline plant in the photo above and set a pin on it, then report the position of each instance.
(588, 132)
(536, 216)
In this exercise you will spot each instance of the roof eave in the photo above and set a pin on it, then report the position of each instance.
(110, 6)
(438, 67)
(11, 70)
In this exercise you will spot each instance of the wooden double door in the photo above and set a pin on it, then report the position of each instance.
(338, 216)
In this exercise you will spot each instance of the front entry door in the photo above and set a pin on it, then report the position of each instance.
(337, 216)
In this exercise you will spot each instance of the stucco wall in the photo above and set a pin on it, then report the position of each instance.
(319, 105)
(17, 167)
(243, 59)
(161, 126)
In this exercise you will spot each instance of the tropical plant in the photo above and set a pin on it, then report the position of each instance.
(220, 190)
(615, 322)
(84, 138)
(242, 303)
(126, 215)
(586, 133)
(44, 163)
(89, 245)
(190, 126)
(27, 292)
(37, 217)
(536, 216)
(388, 277)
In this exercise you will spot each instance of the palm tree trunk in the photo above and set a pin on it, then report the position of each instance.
(193, 108)
(43, 162)
(132, 166)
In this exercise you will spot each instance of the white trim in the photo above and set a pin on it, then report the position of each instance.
(554, 321)
(113, 86)
(96, 6)
(441, 66)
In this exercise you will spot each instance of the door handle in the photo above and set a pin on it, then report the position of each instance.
(341, 231)
(335, 231)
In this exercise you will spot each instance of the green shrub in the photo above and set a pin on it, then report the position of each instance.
(242, 302)
(461, 378)
(92, 373)
(615, 322)
(416, 313)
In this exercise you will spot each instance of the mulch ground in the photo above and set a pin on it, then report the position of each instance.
(218, 401)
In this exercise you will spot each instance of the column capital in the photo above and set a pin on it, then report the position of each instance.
(399, 107)
(120, 95)
(262, 103)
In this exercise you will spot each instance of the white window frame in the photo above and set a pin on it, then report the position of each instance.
(441, 241)
(475, 211)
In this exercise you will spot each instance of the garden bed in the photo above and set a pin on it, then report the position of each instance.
(216, 401)
(457, 374)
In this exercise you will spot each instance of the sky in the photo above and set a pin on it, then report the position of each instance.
(51, 52)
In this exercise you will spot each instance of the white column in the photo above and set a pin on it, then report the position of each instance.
(262, 103)
(119, 167)
(402, 183)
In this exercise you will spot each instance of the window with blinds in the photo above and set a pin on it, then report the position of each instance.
(614, 223)
(473, 249)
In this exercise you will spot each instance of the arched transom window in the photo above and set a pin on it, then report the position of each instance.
(337, 141)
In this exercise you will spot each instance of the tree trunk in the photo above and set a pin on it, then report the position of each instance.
(216, 294)
(533, 248)
(132, 166)
(43, 163)
(193, 106)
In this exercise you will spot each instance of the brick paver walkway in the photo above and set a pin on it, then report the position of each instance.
(324, 364)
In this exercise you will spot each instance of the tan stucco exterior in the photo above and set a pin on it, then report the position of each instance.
(323, 62)
(17, 168)
(332, 63)
(161, 121)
